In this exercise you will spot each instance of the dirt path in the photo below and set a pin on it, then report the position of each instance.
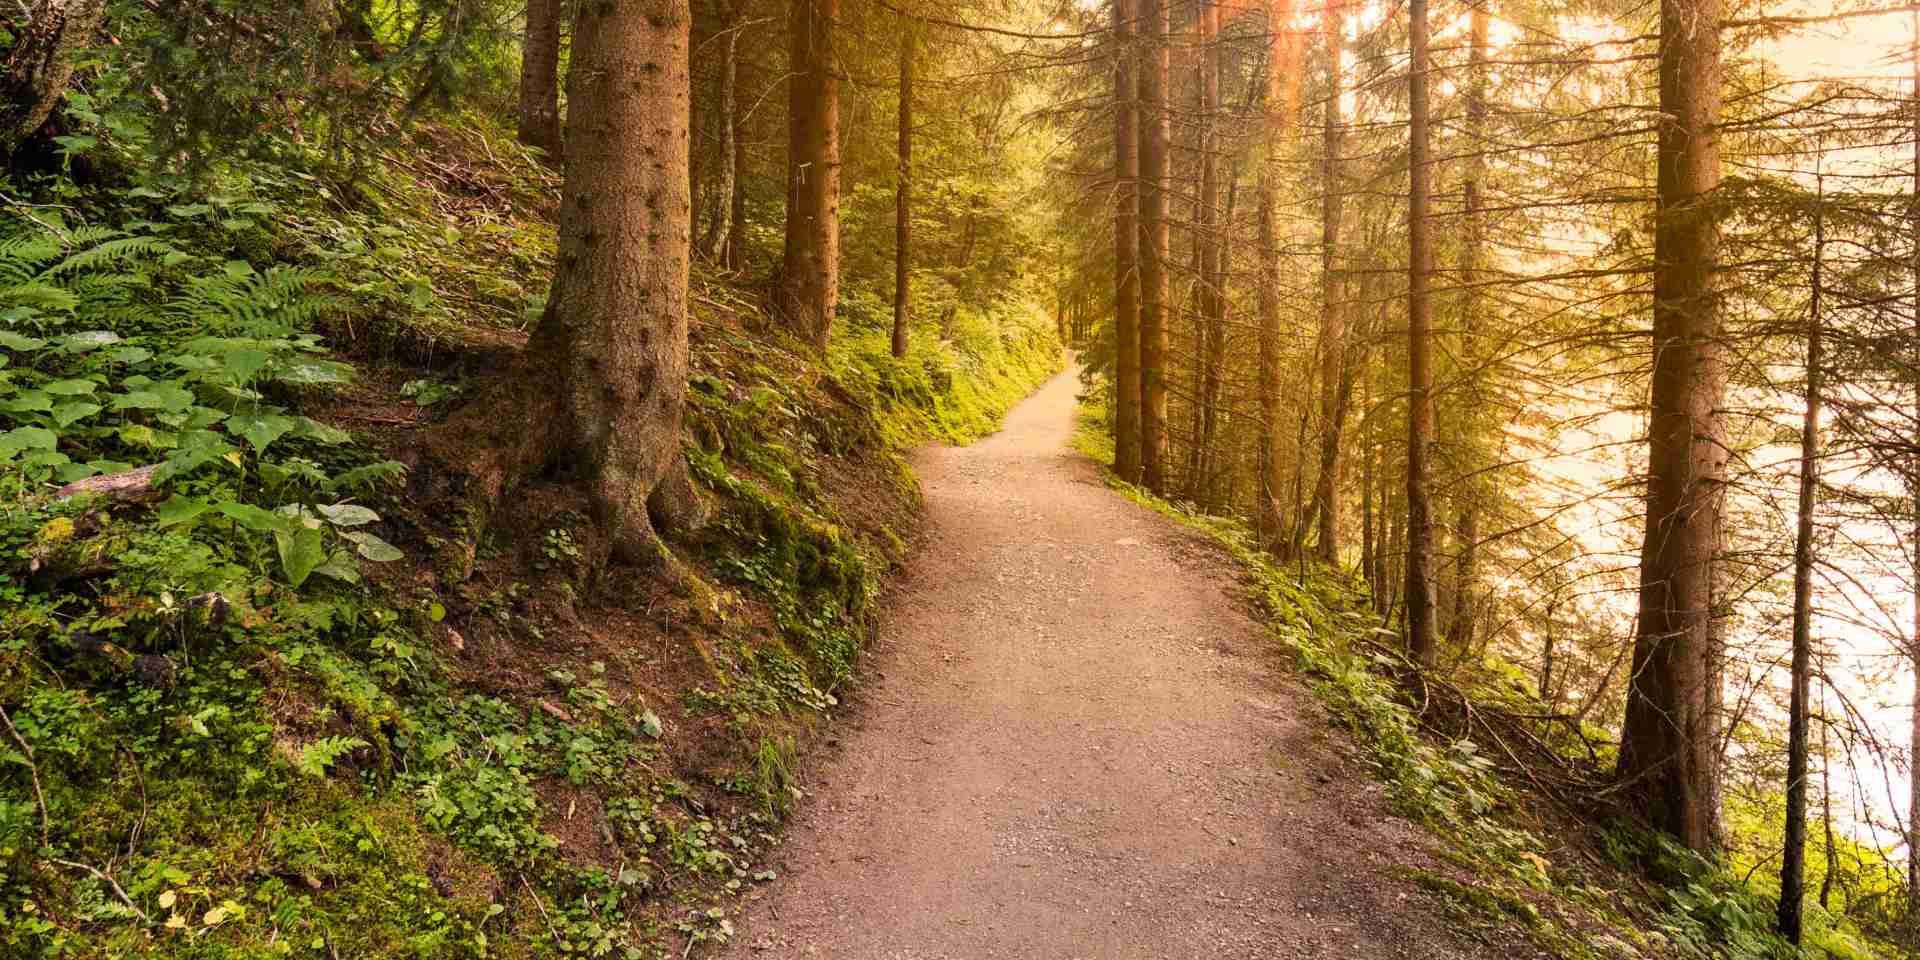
(1076, 745)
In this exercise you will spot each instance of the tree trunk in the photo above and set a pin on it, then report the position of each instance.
(1466, 588)
(1419, 589)
(1335, 381)
(1913, 492)
(1283, 89)
(903, 201)
(1793, 865)
(1669, 760)
(598, 394)
(810, 278)
(735, 256)
(34, 73)
(1126, 244)
(719, 205)
(1155, 132)
(1213, 299)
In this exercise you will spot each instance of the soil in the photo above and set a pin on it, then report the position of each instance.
(1076, 743)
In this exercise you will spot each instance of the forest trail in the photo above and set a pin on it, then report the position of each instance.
(1074, 743)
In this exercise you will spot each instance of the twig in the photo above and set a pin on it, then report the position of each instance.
(33, 769)
(109, 881)
(562, 944)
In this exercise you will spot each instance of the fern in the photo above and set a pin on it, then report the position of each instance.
(317, 756)
(111, 251)
(242, 302)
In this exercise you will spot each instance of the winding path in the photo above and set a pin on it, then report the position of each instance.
(1075, 744)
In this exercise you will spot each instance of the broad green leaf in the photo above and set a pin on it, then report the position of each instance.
(241, 365)
(69, 472)
(88, 340)
(27, 438)
(141, 435)
(304, 373)
(259, 430)
(302, 549)
(179, 509)
(372, 547)
(69, 388)
(66, 414)
(347, 514)
(129, 355)
(189, 209)
(28, 400)
(16, 341)
(160, 396)
(252, 517)
(340, 566)
(315, 430)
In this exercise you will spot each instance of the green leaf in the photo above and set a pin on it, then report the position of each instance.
(320, 432)
(304, 373)
(69, 388)
(29, 400)
(16, 341)
(240, 366)
(179, 509)
(650, 722)
(302, 550)
(129, 355)
(65, 414)
(372, 547)
(252, 517)
(340, 566)
(347, 514)
(161, 396)
(27, 438)
(259, 430)
(88, 340)
(189, 209)
(141, 435)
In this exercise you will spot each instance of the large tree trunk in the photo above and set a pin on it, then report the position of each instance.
(1282, 94)
(810, 278)
(34, 73)
(1793, 864)
(1335, 378)
(903, 201)
(719, 205)
(735, 256)
(1126, 245)
(1669, 759)
(596, 398)
(1155, 133)
(1466, 588)
(1420, 600)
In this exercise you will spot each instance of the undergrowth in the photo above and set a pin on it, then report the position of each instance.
(244, 717)
(1325, 622)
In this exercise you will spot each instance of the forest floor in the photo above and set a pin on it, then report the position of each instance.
(1075, 742)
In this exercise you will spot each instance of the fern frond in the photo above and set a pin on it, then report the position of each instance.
(122, 248)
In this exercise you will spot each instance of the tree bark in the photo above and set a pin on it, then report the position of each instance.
(1669, 760)
(1793, 866)
(810, 278)
(1419, 588)
(1213, 299)
(735, 256)
(1913, 493)
(1335, 380)
(719, 207)
(35, 72)
(1155, 133)
(1282, 96)
(1126, 245)
(1466, 587)
(903, 201)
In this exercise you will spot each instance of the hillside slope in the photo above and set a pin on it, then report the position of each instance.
(280, 700)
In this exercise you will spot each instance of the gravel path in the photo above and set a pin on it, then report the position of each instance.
(1075, 744)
